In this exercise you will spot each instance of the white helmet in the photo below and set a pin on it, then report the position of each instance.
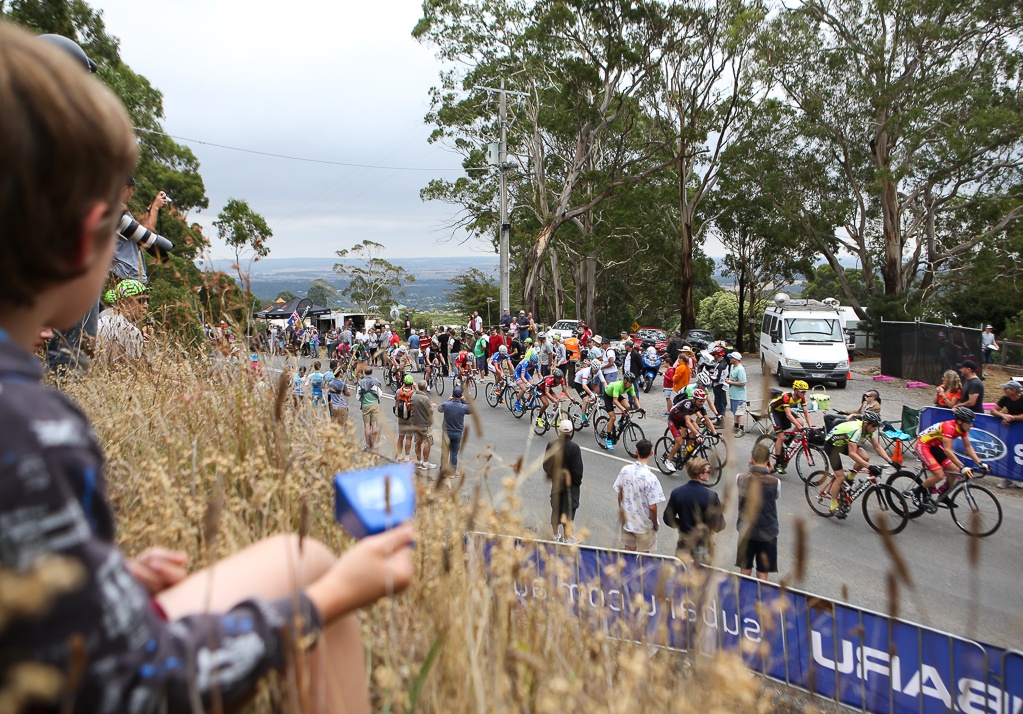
(503, 349)
(703, 378)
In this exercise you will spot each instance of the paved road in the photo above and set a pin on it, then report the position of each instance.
(847, 560)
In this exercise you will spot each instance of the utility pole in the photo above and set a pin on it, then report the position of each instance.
(499, 160)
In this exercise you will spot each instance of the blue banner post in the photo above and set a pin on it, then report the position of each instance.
(857, 657)
(999, 445)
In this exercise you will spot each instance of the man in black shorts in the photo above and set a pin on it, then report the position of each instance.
(758, 516)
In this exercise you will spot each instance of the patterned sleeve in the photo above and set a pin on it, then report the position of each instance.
(52, 502)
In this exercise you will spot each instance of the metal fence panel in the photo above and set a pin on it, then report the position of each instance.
(923, 351)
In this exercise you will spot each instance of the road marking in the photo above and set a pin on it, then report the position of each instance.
(598, 452)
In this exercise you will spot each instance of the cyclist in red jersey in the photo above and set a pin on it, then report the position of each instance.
(464, 364)
(545, 390)
(934, 447)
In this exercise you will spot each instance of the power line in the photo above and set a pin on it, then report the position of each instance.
(302, 158)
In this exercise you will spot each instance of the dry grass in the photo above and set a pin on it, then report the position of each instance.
(208, 462)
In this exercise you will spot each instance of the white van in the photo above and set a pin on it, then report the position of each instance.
(804, 339)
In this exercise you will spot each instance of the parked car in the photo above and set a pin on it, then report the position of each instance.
(651, 334)
(699, 339)
(565, 328)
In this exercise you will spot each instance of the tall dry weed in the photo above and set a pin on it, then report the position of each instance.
(206, 458)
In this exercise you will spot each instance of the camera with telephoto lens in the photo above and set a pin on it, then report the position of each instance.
(132, 230)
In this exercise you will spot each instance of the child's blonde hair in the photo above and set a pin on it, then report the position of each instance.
(66, 143)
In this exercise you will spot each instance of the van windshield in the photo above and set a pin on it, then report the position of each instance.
(806, 329)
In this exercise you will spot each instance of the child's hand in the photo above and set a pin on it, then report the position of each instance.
(376, 566)
(158, 569)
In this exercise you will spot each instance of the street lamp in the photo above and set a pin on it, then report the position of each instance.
(489, 300)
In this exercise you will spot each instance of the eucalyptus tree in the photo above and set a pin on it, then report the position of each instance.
(576, 138)
(914, 110)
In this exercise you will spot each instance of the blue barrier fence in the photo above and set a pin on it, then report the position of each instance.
(999, 445)
(856, 657)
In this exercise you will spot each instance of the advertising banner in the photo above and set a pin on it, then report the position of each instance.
(856, 657)
(998, 445)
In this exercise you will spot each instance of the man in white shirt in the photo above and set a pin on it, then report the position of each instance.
(639, 492)
(608, 363)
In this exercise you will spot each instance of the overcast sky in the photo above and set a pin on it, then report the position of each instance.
(337, 81)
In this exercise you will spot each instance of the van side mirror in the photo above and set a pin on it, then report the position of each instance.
(775, 336)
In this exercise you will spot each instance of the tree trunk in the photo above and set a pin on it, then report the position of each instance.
(591, 292)
(534, 267)
(685, 274)
(740, 333)
(557, 291)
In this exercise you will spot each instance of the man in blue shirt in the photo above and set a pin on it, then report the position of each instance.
(454, 411)
(413, 351)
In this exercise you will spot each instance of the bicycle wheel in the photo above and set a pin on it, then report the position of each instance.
(493, 392)
(574, 413)
(879, 512)
(809, 461)
(661, 449)
(817, 495)
(438, 384)
(510, 395)
(976, 510)
(904, 482)
(470, 386)
(538, 416)
(630, 436)
(600, 431)
(709, 452)
(719, 447)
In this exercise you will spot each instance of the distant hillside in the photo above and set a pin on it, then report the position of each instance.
(270, 277)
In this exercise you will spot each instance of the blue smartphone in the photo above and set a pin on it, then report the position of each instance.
(375, 500)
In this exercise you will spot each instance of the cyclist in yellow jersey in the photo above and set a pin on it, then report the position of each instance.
(846, 438)
(783, 415)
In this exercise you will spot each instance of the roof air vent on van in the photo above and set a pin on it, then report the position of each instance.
(831, 302)
(781, 299)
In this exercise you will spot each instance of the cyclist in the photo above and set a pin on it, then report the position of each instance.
(463, 363)
(703, 380)
(524, 374)
(589, 372)
(613, 394)
(846, 438)
(934, 447)
(497, 362)
(545, 390)
(785, 420)
(682, 422)
(399, 357)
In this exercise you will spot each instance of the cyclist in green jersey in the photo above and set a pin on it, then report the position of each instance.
(616, 394)
(846, 438)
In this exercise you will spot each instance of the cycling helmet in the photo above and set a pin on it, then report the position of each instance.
(558, 374)
(534, 358)
(964, 414)
(595, 364)
(629, 377)
(125, 288)
(503, 349)
(871, 418)
(703, 378)
(717, 351)
(699, 394)
(409, 379)
(800, 386)
(542, 335)
(73, 49)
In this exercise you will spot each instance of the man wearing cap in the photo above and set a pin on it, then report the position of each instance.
(545, 348)
(506, 320)
(987, 342)
(608, 361)
(523, 325)
(454, 411)
(563, 464)
(736, 381)
(674, 346)
(973, 388)
(632, 361)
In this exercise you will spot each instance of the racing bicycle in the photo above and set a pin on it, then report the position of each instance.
(797, 448)
(884, 508)
(974, 509)
(495, 391)
(711, 447)
(628, 432)
(557, 409)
